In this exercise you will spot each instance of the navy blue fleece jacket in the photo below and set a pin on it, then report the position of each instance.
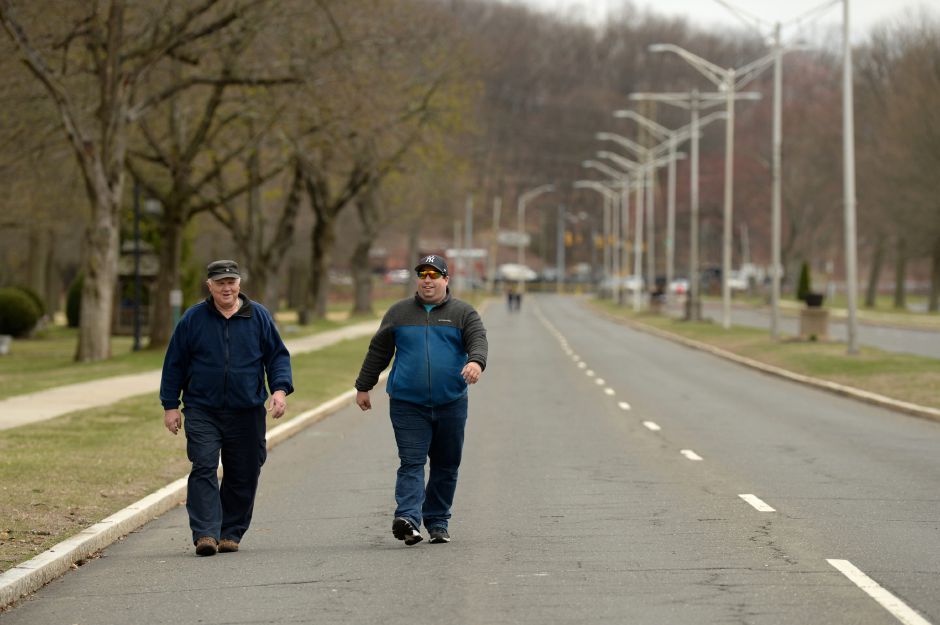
(430, 348)
(219, 363)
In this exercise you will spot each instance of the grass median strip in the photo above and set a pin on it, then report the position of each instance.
(47, 360)
(904, 377)
(62, 475)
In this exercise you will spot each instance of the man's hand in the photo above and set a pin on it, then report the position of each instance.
(471, 372)
(172, 419)
(278, 405)
(363, 401)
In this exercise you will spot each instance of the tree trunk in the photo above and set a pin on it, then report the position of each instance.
(900, 274)
(265, 262)
(322, 239)
(871, 293)
(933, 301)
(413, 232)
(100, 267)
(53, 292)
(368, 210)
(161, 323)
(36, 264)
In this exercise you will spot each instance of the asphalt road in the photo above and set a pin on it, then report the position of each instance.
(572, 507)
(891, 339)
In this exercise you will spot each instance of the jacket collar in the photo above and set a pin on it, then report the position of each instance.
(420, 302)
(243, 311)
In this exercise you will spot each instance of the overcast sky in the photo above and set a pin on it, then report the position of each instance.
(864, 13)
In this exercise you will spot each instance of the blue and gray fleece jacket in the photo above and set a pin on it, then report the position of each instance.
(430, 348)
(220, 364)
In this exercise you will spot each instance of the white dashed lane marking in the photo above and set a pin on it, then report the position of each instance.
(624, 405)
(651, 426)
(608, 391)
(757, 503)
(691, 455)
(873, 589)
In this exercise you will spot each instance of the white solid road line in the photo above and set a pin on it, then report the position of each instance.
(651, 426)
(873, 589)
(691, 455)
(624, 405)
(757, 503)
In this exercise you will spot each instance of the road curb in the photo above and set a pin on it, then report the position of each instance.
(882, 401)
(30, 576)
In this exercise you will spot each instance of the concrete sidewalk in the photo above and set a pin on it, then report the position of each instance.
(54, 402)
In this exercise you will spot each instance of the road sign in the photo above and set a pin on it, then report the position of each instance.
(513, 238)
(473, 252)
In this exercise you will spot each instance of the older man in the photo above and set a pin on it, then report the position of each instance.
(220, 352)
(439, 345)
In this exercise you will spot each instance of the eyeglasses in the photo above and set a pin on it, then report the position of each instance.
(434, 275)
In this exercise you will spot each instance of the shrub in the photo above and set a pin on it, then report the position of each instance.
(803, 287)
(31, 294)
(18, 313)
(73, 302)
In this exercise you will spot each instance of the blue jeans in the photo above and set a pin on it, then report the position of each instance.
(424, 432)
(239, 436)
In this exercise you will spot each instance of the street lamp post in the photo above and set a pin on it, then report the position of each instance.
(848, 148)
(694, 102)
(621, 218)
(778, 51)
(610, 202)
(644, 210)
(728, 82)
(520, 211)
(637, 170)
(674, 138)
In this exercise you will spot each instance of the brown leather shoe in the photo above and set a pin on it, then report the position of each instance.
(227, 545)
(206, 546)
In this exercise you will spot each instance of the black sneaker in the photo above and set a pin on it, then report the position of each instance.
(439, 535)
(405, 530)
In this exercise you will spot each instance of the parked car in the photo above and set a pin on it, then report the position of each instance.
(679, 286)
(513, 272)
(627, 283)
(737, 281)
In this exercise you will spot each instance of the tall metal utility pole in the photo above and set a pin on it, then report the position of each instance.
(728, 82)
(694, 102)
(778, 50)
(848, 146)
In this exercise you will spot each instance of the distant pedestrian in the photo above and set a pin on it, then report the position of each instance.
(220, 352)
(439, 345)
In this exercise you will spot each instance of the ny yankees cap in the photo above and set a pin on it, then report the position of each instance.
(432, 260)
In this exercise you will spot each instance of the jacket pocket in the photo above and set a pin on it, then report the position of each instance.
(245, 388)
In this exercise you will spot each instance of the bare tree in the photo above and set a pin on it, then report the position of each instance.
(109, 50)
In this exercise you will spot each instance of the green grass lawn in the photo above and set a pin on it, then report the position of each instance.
(883, 312)
(60, 476)
(47, 360)
(905, 377)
